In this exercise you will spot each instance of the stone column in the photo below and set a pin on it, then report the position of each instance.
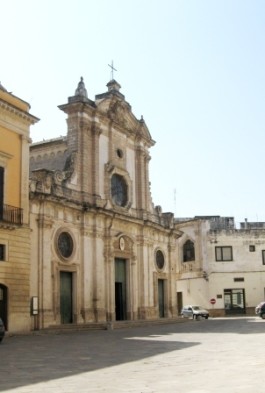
(109, 270)
(95, 132)
(147, 158)
(44, 272)
(140, 178)
(99, 281)
(172, 294)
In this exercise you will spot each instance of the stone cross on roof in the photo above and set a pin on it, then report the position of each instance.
(112, 69)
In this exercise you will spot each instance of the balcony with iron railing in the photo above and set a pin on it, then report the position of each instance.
(11, 215)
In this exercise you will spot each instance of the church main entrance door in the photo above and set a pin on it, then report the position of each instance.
(66, 297)
(120, 289)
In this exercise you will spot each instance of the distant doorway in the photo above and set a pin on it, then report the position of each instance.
(179, 302)
(161, 298)
(234, 301)
(3, 304)
(120, 289)
(66, 297)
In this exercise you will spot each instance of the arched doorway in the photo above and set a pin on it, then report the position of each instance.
(3, 304)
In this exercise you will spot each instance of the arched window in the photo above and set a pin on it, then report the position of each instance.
(119, 190)
(188, 251)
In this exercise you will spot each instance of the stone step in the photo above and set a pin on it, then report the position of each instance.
(109, 325)
(76, 327)
(149, 322)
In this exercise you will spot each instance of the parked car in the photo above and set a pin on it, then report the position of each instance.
(2, 330)
(258, 307)
(261, 311)
(194, 312)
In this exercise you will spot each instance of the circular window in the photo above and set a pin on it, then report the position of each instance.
(65, 244)
(119, 190)
(160, 261)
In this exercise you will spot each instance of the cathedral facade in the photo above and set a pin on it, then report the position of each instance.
(101, 251)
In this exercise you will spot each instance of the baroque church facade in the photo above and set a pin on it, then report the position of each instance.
(100, 250)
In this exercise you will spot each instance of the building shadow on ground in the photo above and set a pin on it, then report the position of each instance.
(32, 359)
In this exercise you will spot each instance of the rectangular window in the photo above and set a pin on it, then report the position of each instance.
(223, 253)
(2, 252)
(252, 248)
(263, 257)
(239, 279)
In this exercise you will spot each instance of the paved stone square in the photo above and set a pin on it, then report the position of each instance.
(206, 356)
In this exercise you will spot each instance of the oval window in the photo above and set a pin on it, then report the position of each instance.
(65, 244)
(160, 260)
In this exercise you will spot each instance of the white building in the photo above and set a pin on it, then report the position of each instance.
(221, 263)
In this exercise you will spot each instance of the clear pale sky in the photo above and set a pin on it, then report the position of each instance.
(195, 69)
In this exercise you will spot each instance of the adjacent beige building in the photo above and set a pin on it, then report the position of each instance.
(101, 251)
(15, 121)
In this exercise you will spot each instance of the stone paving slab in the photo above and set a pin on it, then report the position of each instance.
(218, 355)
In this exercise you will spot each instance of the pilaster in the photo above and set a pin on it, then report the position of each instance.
(24, 192)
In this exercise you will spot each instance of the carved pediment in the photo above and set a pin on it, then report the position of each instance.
(119, 111)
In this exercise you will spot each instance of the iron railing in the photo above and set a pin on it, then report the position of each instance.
(11, 214)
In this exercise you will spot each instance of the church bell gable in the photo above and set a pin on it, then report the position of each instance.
(106, 153)
(113, 105)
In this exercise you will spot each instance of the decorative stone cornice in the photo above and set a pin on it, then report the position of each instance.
(30, 119)
(45, 222)
(5, 155)
(10, 227)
